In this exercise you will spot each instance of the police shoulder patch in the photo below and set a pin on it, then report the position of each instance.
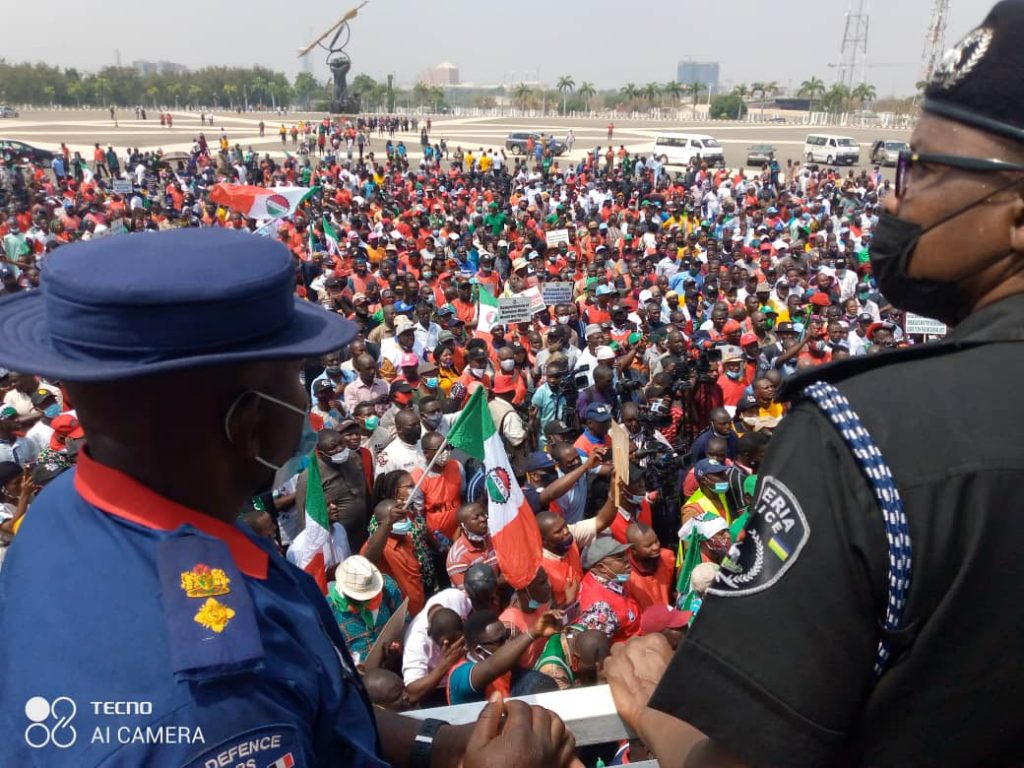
(772, 541)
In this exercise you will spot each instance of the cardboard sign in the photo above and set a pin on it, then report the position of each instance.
(392, 632)
(557, 293)
(556, 237)
(121, 186)
(514, 309)
(925, 326)
(620, 456)
(536, 300)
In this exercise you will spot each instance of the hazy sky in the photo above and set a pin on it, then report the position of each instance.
(608, 42)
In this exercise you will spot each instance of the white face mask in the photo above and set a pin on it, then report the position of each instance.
(478, 372)
(508, 365)
(341, 457)
(306, 442)
(563, 319)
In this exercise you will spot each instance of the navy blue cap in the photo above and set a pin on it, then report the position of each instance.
(539, 460)
(599, 412)
(706, 467)
(133, 305)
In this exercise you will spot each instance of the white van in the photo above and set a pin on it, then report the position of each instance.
(680, 148)
(831, 150)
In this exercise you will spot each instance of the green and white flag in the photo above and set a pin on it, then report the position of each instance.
(333, 244)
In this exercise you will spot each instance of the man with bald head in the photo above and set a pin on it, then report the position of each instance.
(368, 386)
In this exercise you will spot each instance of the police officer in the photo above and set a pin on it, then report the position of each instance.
(140, 625)
(870, 613)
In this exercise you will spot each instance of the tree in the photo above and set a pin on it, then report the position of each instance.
(566, 85)
(523, 94)
(813, 89)
(695, 89)
(74, 91)
(741, 91)
(587, 92)
(768, 89)
(230, 89)
(306, 85)
(629, 93)
(673, 90)
(836, 98)
(194, 92)
(864, 93)
(101, 88)
(152, 92)
(651, 91)
(49, 91)
(727, 106)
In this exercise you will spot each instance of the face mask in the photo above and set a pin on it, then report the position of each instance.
(52, 411)
(333, 370)
(891, 248)
(508, 365)
(411, 435)
(428, 275)
(432, 382)
(621, 578)
(478, 372)
(563, 319)
(863, 296)
(441, 459)
(476, 538)
(371, 423)
(431, 420)
(482, 653)
(634, 499)
(341, 457)
(734, 375)
(402, 527)
(306, 443)
(562, 547)
(721, 487)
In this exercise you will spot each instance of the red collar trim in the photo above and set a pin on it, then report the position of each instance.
(121, 495)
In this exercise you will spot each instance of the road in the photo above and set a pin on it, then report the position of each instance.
(81, 129)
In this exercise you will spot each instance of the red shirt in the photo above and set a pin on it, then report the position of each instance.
(400, 563)
(620, 523)
(625, 608)
(441, 498)
(587, 445)
(654, 588)
(563, 571)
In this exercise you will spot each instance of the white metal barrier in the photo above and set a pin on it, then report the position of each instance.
(588, 712)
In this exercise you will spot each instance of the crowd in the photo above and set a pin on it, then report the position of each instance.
(689, 297)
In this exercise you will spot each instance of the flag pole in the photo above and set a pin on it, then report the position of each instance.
(429, 466)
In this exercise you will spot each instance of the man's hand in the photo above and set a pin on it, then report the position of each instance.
(511, 734)
(453, 653)
(547, 624)
(634, 670)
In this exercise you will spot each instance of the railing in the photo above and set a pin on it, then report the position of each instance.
(588, 712)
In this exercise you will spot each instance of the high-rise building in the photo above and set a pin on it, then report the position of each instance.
(444, 73)
(690, 72)
(159, 67)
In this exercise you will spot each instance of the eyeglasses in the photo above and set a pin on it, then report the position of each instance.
(907, 160)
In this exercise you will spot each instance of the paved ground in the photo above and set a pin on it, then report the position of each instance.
(80, 129)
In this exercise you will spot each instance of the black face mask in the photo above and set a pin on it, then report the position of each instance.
(893, 244)
(411, 435)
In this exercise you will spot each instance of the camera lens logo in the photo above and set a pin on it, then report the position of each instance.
(40, 733)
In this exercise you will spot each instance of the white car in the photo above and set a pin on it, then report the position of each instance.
(831, 150)
(681, 148)
(6, 111)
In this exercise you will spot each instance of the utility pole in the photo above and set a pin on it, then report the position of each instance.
(934, 39)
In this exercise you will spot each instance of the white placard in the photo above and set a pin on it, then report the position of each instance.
(557, 293)
(924, 326)
(514, 309)
(558, 236)
(121, 186)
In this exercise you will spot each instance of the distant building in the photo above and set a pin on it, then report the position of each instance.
(159, 67)
(443, 74)
(690, 72)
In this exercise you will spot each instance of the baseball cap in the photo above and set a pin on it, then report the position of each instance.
(409, 360)
(748, 338)
(604, 353)
(66, 425)
(731, 354)
(763, 287)
(746, 402)
(539, 460)
(604, 290)
(347, 424)
(400, 386)
(445, 336)
(41, 396)
(402, 324)
(658, 617)
(706, 467)
(731, 326)
(785, 328)
(323, 385)
(557, 427)
(603, 546)
(599, 412)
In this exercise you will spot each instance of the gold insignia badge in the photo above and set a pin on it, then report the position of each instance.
(204, 581)
(214, 615)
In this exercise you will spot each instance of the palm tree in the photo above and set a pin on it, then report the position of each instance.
(258, 86)
(836, 98)
(629, 93)
(673, 90)
(587, 92)
(741, 91)
(768, 89)
(101, 87)
(864, 93)
(75, 91)
(695, 89)
(813, 89)
(152, 92)
(194, 92)
(651, 91)
(522, 93)
(230, 89)
(566, 85)
(174, 89)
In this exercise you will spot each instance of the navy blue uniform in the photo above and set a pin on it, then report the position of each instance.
(139, 632)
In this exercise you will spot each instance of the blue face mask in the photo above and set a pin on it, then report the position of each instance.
(432, 382)
(372, 422)
(299, 459)
(721, 487)
(402, 527)
(734, 375)
(621, 578)
(52, 411)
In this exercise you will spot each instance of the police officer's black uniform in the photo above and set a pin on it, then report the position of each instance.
(812, 576)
